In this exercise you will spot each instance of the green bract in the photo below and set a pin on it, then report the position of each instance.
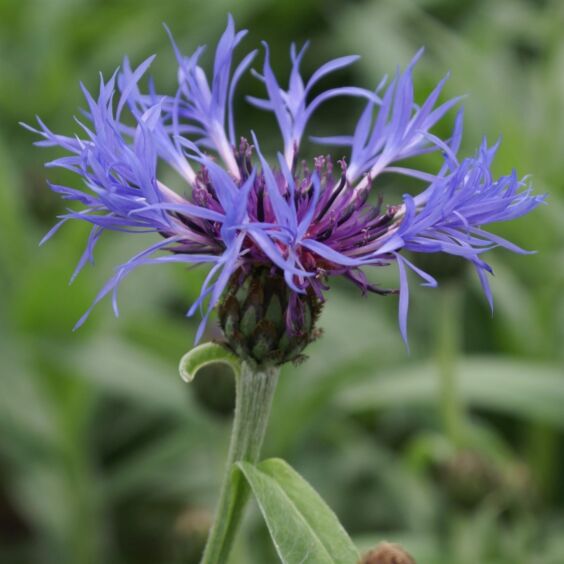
(254, 320)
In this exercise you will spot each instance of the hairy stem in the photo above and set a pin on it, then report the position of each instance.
(254, 393)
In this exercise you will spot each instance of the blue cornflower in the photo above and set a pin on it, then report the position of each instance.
(241, 214)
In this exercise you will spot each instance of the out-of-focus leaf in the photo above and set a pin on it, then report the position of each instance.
(13, 235)
(190, 457)
(514, 307)
(518, 388)
(125, 370)
(27, 417)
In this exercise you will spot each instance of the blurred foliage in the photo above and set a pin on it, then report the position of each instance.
(454, 450)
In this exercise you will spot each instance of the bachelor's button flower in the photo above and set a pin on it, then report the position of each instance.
(273, 234)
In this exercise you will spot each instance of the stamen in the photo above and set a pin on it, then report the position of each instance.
(333, 197)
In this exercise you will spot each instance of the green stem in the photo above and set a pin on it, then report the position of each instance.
(254, 393)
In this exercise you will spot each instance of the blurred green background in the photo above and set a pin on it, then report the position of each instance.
(455, 450)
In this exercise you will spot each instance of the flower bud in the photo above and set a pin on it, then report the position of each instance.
(264, 322)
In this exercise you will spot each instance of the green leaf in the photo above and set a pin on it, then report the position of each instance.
(302, 526)
(203, 355)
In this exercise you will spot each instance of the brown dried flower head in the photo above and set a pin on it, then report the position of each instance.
(387, 553)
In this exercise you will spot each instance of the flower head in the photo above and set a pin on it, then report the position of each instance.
(301, 223)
